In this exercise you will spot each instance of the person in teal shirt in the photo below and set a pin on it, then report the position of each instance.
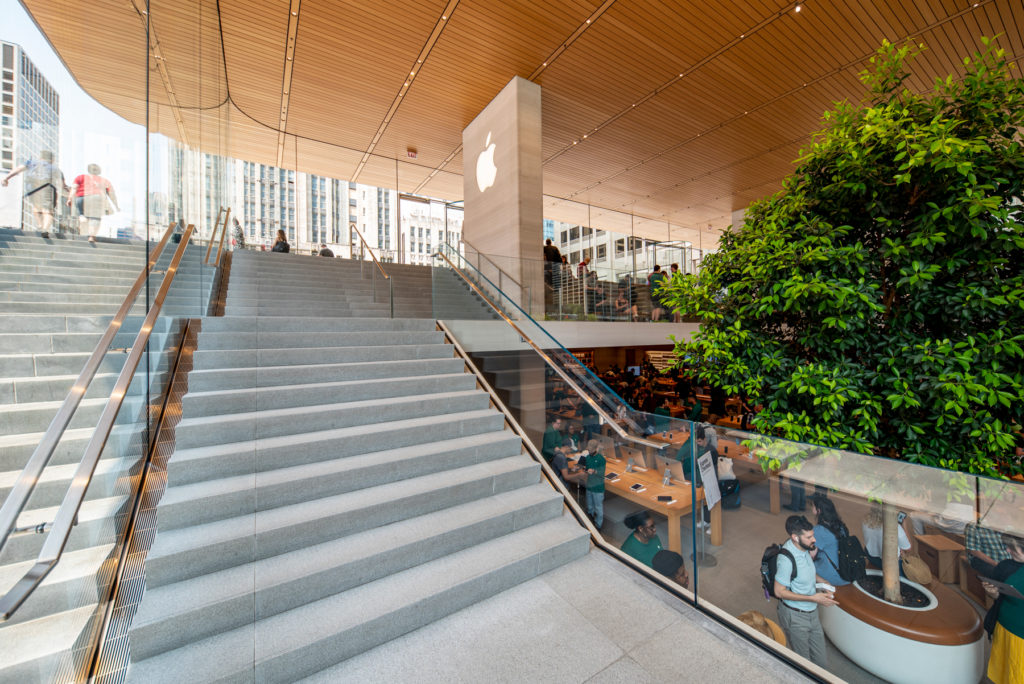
(664, 414)
(696, 408)
(643, 543)
(595, 483)
(1004, 663)
(552, 439)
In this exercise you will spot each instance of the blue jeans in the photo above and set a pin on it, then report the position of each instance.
(595, 506)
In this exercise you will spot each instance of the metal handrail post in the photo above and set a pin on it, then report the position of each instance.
(391, 295)
(67, 514)
(29, 477)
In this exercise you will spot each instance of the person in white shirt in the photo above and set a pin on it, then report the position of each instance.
(872, 531)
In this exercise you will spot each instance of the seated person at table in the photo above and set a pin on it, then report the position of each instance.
(671, 565)
(985, 548)
(827, 533)
(568, 474)
(643, 543)
(872, 529)
(552, 439)
(696, 408)
(575, 436)
(595, 483)
(661, 424)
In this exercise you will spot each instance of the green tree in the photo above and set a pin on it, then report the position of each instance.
(876, 303)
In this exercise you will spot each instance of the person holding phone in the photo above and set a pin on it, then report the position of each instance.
(1005, 620)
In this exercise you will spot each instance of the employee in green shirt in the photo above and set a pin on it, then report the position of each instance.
(1004, 663)
(552, 439)
(643, 543)
(696, 408)
(595, 483)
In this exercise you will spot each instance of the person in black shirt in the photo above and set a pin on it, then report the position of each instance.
(325, 251)
(281, 243)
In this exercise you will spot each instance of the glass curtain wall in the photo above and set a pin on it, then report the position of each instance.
(90, 265)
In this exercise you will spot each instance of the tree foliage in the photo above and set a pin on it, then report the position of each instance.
(876, 303)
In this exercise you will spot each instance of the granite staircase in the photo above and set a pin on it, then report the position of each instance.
(56, 299)
(338, 481)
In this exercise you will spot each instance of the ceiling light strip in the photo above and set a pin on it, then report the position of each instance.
(579, 31)
(671, 82)
(286, 78)
(165, 76)
(838, 70)
(403, 90)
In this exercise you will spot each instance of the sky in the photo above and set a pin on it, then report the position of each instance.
(89, 132)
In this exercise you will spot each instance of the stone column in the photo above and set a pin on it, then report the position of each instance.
(503, 187)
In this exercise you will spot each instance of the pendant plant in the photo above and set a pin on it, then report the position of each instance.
(876, 303)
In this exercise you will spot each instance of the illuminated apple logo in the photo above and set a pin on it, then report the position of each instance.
(486, 171)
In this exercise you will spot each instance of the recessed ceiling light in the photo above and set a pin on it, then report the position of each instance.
(588, 21)
(798, 7)
(443, 17)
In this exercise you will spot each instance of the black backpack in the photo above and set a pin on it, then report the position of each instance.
(769, 561)
(853, 559)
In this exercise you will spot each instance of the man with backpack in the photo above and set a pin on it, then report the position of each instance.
(44, 184)
(799, 599)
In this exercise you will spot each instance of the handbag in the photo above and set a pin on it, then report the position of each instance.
(916, 570)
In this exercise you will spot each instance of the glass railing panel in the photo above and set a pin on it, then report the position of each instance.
(452, 267)
(936, 516)
(929, 513)
(70, 603)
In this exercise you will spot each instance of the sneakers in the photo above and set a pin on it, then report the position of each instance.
(702, 524)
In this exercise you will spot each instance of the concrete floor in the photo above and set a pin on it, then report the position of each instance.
(591, 621)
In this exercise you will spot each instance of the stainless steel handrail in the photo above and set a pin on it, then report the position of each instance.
(391, 285)
(26, 482)
(524, 292)
(565, 376)
(67, 514)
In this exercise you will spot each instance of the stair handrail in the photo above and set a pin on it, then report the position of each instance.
(213, 235)
(502, 273)
(67, 514)
(391, 284)
(223, 232)
(594, 404)
(40, 458)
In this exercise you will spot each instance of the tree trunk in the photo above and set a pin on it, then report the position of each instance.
(890, 555)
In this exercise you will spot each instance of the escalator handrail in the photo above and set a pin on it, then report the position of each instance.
(67, 514)
(29, 477)
(554, 366)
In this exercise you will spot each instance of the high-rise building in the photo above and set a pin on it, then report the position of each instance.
(30, 120)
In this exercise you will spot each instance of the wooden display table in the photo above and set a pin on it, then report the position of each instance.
(680, 491)
(939, 553)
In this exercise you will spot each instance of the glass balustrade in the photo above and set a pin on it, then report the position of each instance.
(753, 484)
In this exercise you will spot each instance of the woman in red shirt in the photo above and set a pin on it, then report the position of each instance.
(90, 192)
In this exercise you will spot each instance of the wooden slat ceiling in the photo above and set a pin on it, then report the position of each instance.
(663, 117)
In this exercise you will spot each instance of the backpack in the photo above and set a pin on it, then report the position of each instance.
(769, 563)
(853, 559)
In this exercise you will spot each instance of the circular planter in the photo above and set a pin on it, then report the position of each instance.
(942, 643)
